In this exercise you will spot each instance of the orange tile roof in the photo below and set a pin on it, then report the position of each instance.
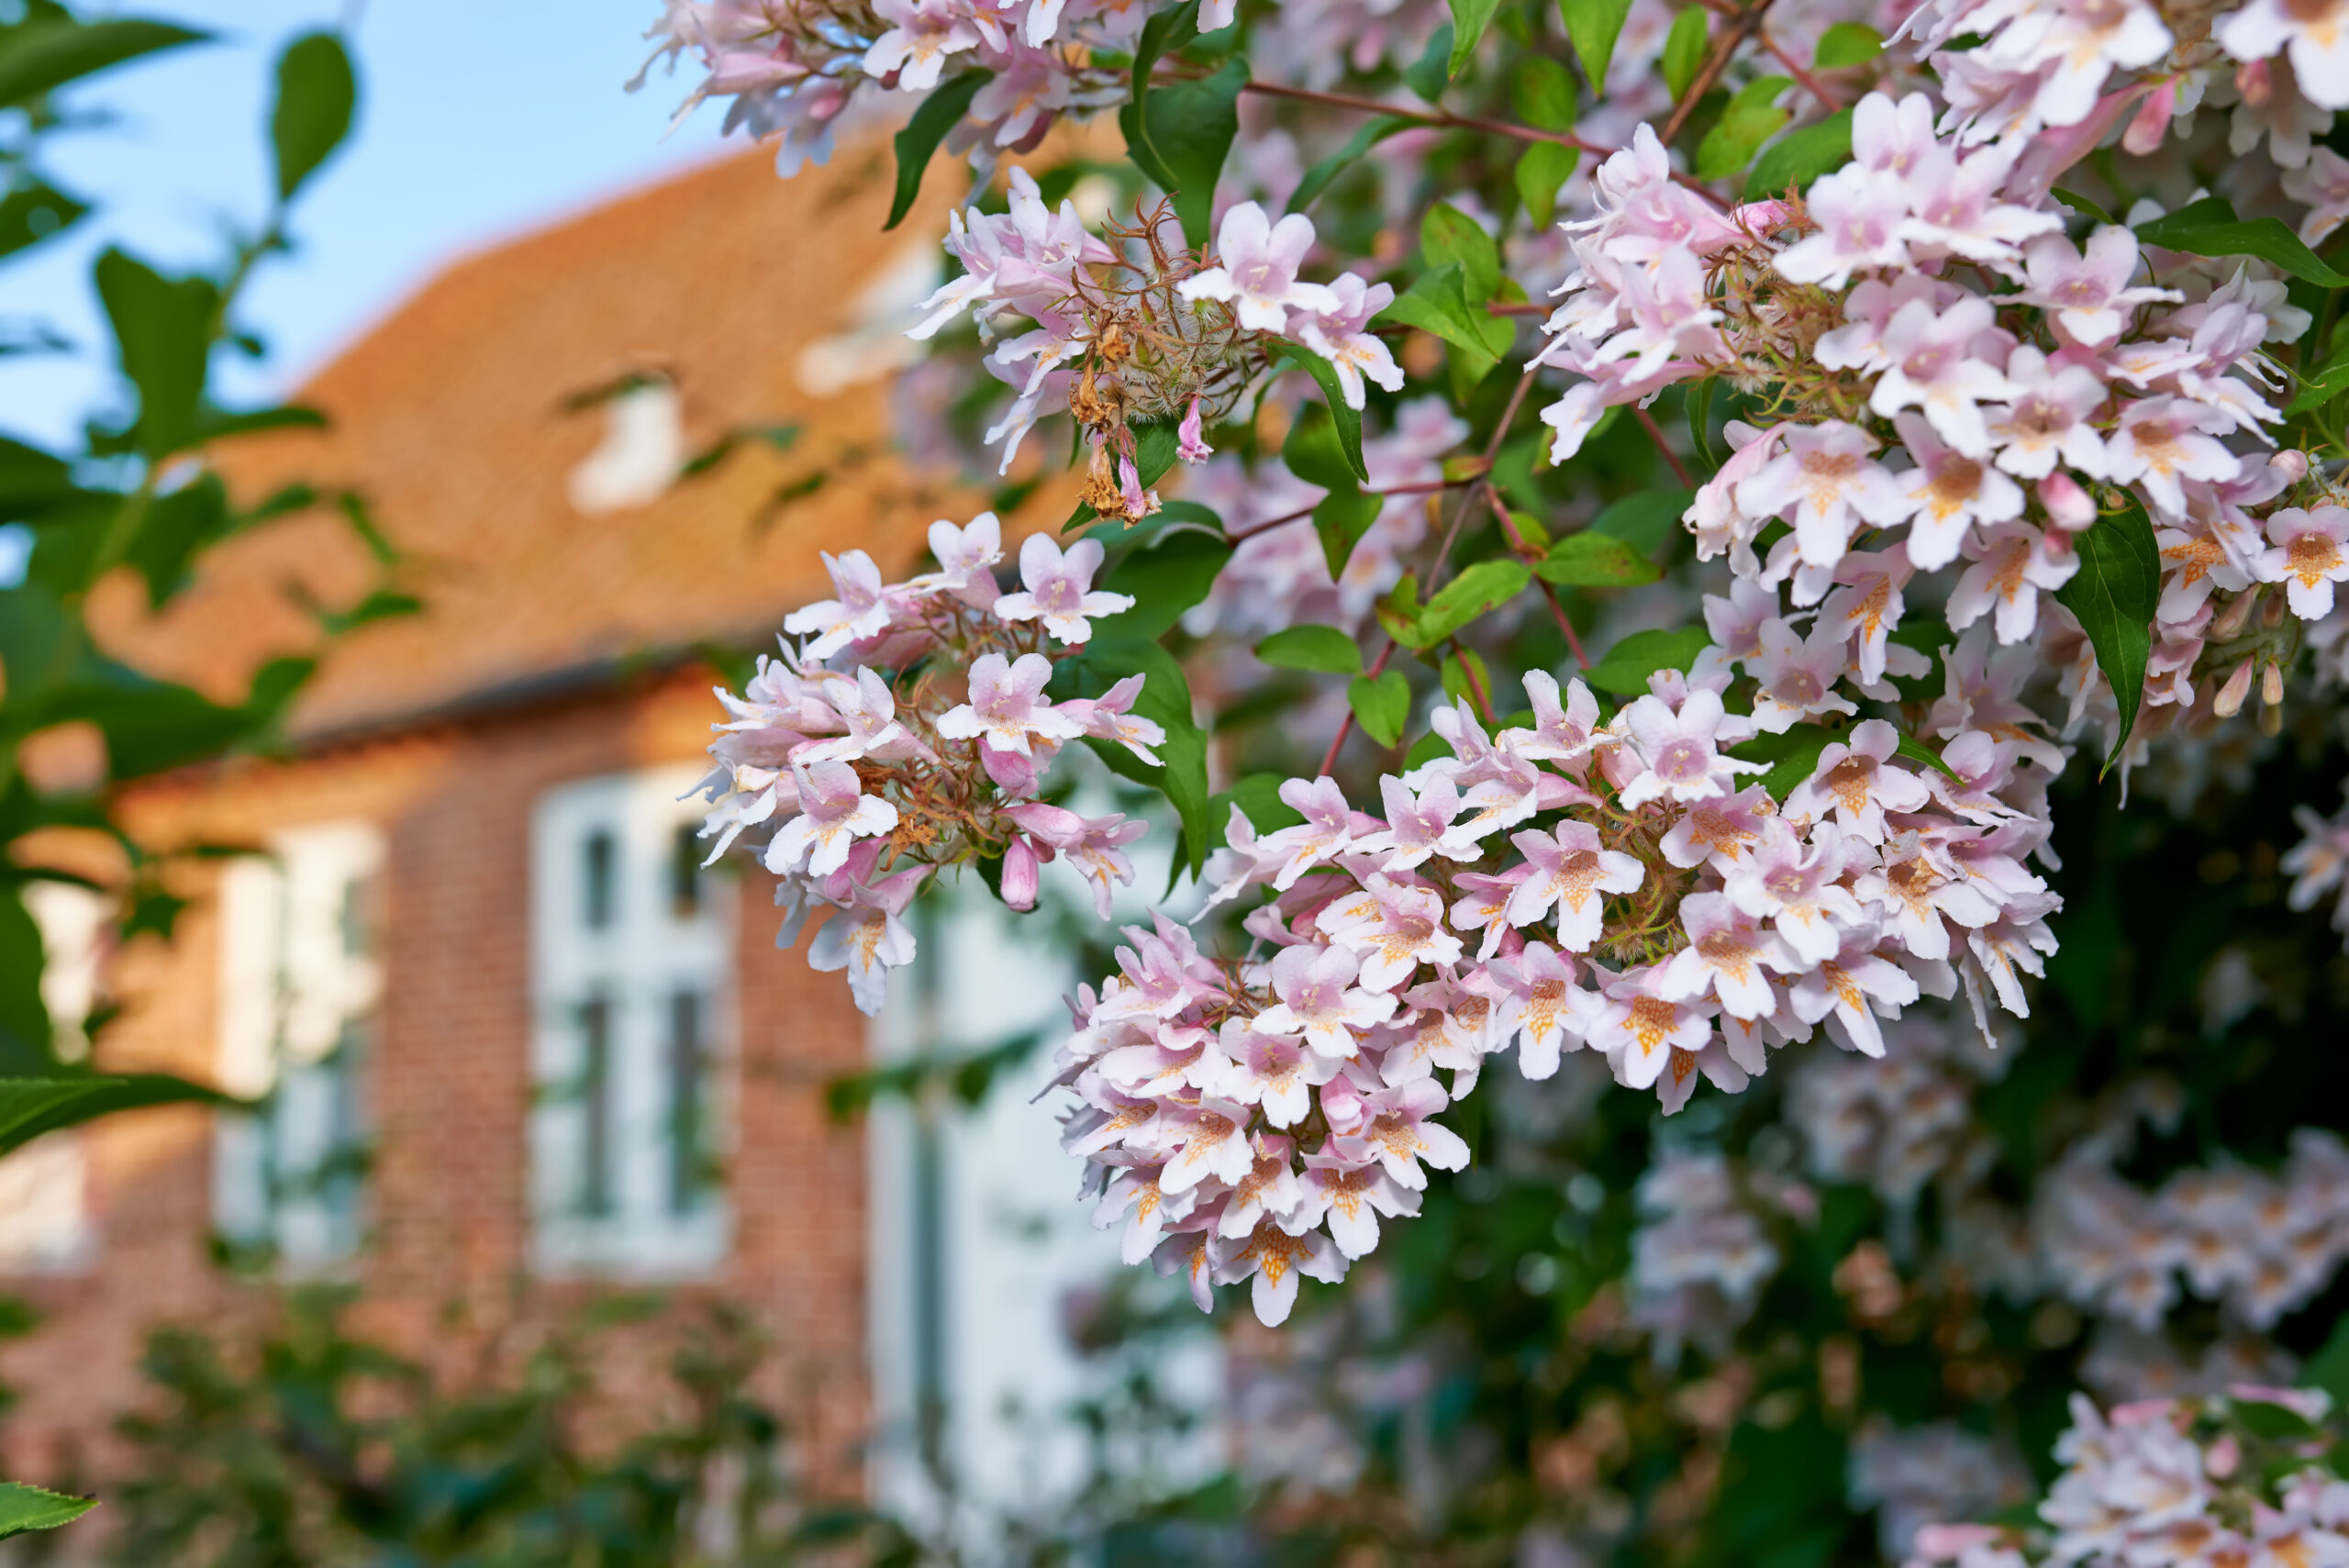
(449, 416)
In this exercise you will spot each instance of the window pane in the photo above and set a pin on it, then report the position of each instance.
(685, 1069)
(596, 1088)
(684, 872)
(598, 881)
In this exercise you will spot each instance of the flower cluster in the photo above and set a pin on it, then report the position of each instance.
(791, 68)
(2232, 1479)
(1621, 886)
(866, 783)
(1145, 331)
(1701, 1254)
(1920, 425)
(2259, 1245)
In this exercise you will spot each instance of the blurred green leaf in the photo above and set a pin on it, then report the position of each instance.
(1317, 179)
(1469, 20)
(1589, 560)
(46, 49)
(1381, 706)
(1592, 25)
(1752, 118)
(1541, 171)
(34, 211)
(1847, 43)
(1801, 156)
(938, 114)
(1449, 235)
(1166, 576)
(1544, 94)
(316, 90)
(1323, 648)
(1683, 51)
(1627, 667)
(162, 330)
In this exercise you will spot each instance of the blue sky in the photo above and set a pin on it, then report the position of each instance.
(477, 118)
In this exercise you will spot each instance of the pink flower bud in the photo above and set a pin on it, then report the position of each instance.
(1129, 486)
(2225, 1455)
(2069, 507)
(2229, 702)
(1019, 875)
(2291, 462)
(1341, 1104)
(1194, 447)
(2255, 82)
(1052, 826)
(2151, 120)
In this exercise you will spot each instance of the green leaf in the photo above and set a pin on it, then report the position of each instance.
(1647, 520)
(1916, 751)
(2329, 1368)
(1179, 133)
(24, 1508)
(1436, 304)
(30, 480)
(1317, 179)
(1314, 452)
(1543, 93)
(1589, 560)
(33, 212)
(1847, 43)
(2325, 383)
(2080, 204)
(2209, 227)
(316, 92)
(1799, 157)
(1466, 677)
(1258, 795)
(2114, 595)
(1322, 647)
(1469, 20)
(32, 1107)
(1751, 119)
(1166, 698)
(938, 114)
(41, 54)
(1627, 667)
(1381, 706)
(1166, 576)
(1431, 71)
(1792, 755)
(1541, 171)
(1447, 234)
(1592, 25)
(1341, 518)
(28, 1038)
(1478, 590)
(176, 526)
(1683, 51)
(162, 330)
(1346, 421)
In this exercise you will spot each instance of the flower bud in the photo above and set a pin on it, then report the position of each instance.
(1341, 1104)
(2229, 702)
(2230, 620)
(2292, 461)
(2151, 122)
(1052, 826)
(2255, 82)
(1194, 447)
(2069, 507)
(1019, 875)
(2271, 685)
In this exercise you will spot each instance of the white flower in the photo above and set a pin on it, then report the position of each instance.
(1258, 261)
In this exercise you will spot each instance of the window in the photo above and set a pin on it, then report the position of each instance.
(298, 990)
(45, 1224)
(631, 967)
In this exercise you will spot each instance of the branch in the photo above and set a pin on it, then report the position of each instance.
(1715, 62)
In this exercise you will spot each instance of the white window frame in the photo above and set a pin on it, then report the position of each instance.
(643, 956)
(301, 979)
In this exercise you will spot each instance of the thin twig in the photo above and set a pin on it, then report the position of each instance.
(1810, 84)
(1446, 120)
(1252, 530)
(1517, 541)
(1378, 667)
(1655, 434)
(1715, 62)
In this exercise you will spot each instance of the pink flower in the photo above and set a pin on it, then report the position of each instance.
(1958, 207)
(1826, 480)
(1934, 366)
(922, 35)
(1419, 825)
(868, 938)
(1859, 211)
(1539, 1004)
(1401, 1132)
(1798, 676)
(1212, 1141)
(1850, 988)
(1396, 928)
(1319, 1001)
(1349, 1195)
(1949, 493)
(833, 813)
(1570, 873)
(1258, 261)
(1870, 604)
(2307, 557)
(1796, 887)
(860, 611)
(2011, 564)
(1640, 1031)
(2164, 440)
(1719, 830)
(1059, 589)
(1340, 336)
(1259, 1067)
(2089, 294)
(1328, 828)
(2316, 35)
(1008, 709)
(1682, 764)
(1100, 856)
(1110, 717)
(1562, 733)
(1726, 955)
(2047, 421)
(1194, 445)
(1275, 1260)
(966, 557)
(1856, 781)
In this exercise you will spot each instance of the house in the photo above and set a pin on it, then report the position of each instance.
(518, 1045)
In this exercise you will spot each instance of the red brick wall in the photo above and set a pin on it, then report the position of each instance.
(449, 1092)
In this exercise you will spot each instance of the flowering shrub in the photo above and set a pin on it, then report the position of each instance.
(1927, 452)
